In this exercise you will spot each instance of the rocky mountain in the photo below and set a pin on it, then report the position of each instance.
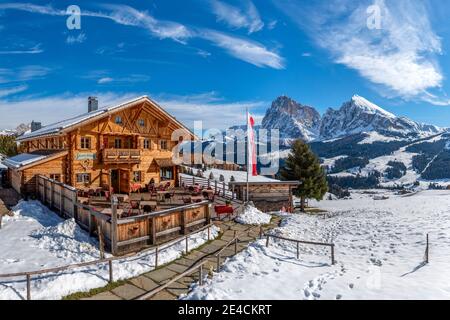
(356, 116)
(293, 119)
(360, 115)
(18, 131)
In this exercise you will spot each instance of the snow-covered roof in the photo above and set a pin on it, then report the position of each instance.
(55, 128)
(25, 159)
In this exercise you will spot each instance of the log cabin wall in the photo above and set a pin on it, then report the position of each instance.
(128, 141)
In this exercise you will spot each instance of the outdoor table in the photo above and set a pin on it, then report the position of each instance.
(197, 198)
(108, 211)
(160, 194)
(152, 204)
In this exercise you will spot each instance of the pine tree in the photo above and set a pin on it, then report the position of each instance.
(211, 176)
(303, 165)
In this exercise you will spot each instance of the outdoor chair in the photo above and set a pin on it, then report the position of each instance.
(186, 200)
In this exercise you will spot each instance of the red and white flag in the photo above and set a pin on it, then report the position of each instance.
(251, 146)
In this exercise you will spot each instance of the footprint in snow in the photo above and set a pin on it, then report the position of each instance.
(338, 297)
(351, 285)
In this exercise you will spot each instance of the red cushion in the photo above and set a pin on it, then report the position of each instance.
(223, 209)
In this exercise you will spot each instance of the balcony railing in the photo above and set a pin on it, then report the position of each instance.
(121, 155)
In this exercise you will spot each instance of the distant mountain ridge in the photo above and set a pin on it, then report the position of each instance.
(358, 115)
(18, 131)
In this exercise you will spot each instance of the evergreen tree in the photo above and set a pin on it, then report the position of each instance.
(221, 178)
(211, 176)
(8, 145)
(303, 165)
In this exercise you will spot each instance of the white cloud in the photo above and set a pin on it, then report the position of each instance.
(33, 50)
(104, 77)
(400, 57)
(105, 80)
(246, 17)
(25, 73)
(213, 110)
(78, 39)
(13, 90)
(243, 49)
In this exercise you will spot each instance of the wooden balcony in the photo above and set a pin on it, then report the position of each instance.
(121, 156)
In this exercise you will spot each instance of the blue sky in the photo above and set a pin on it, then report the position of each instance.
(209, 60)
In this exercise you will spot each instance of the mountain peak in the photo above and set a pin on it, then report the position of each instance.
(370, 107)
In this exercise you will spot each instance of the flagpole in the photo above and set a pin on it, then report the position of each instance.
(248, 155)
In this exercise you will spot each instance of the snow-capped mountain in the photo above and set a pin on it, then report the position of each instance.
(360, 115)
(292, 119)
(18, 131)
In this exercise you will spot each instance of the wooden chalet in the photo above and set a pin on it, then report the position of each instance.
(122, 147)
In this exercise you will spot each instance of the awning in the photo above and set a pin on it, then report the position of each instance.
(164, 163)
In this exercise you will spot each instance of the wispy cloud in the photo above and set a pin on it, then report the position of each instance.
(244, 49)
(33, 50)
(400, 57)
(246, 16)
(25, 73)
(12, 90)
(105, 77)
(241, 48)
(80, 38)
(213, 110)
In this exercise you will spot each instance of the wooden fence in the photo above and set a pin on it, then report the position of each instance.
(121, 236)
(298, 242)
(156, 250)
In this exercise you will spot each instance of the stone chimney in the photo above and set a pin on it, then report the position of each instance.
(92, 104)
(35, 126)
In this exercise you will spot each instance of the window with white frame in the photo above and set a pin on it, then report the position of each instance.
(118, 120)
(83, 177)
(141, 122)
(85, 143)
(163, 145)
(146, 144)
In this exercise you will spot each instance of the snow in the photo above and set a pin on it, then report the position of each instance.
(374, 136)
(380, 246)
(24, 159)
(370, 107)
(58, 126)
(253, 216)
(239, 176)
(329, 162)
(35, 238)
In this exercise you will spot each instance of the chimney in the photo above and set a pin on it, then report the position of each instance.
(35, 126)
(92, 104)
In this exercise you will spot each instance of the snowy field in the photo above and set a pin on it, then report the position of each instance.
(36, 238)
(380, 246)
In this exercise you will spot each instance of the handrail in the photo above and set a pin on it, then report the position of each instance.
(181, 275)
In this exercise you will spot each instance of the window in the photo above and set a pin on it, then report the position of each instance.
(166, 173)
(119, 120)
(83, 177)
(118, 143)
(137, 175)
(56, 177)
(147, 144)
(163, 144)
(85, 143)
(141, 122)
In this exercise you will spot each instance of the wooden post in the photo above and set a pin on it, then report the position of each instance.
(183, 222)
(298, 250)
(91, 223)
(193, 180)
(267, 241)
(332, 254)
(45, 192)
(261, 232)
(215, 187)
(156, 257)
(209, 230)
(427, 252)
(223, 186)
(153, 230)
(101, 243)
(200, 275)
(187, 245)
(114, 203)
(218, 263)
(208, 214)
(235, 245)
(28, 287)
(61, 201)
(75, 208)
(52, 195)
(111, 277)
